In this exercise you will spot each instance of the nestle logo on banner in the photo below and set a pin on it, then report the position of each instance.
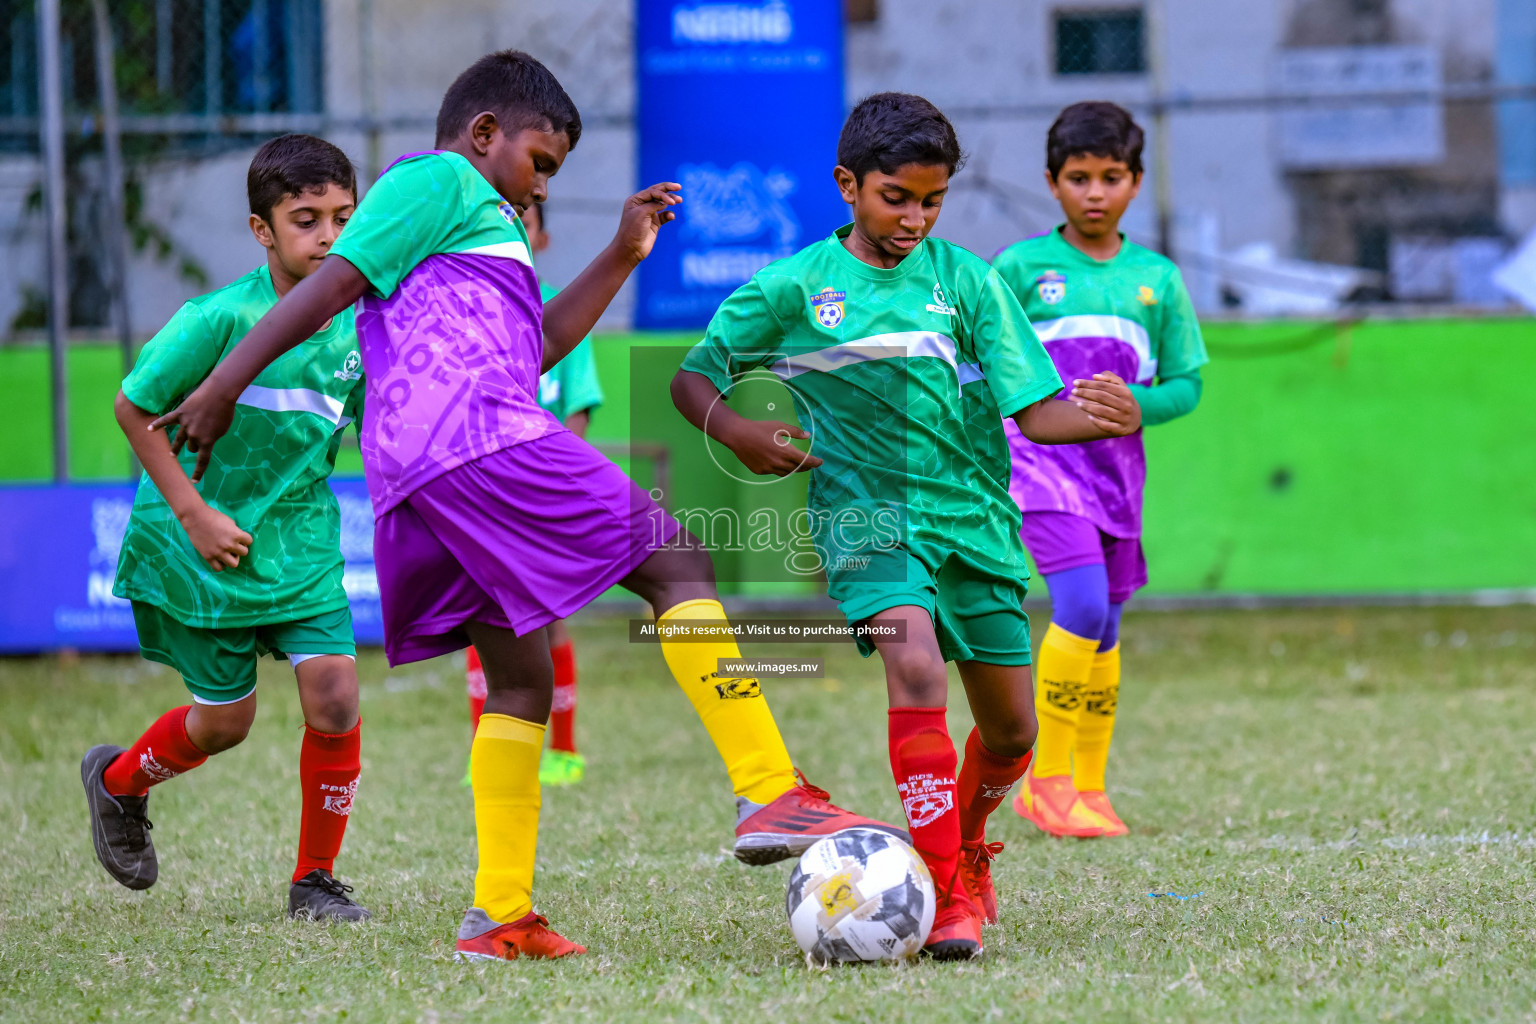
(727, 24)
(737, 221)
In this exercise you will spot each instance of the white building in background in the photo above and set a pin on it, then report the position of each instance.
(1248, 185)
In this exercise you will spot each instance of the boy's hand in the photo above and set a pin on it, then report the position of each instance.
(644, 214)
(217, 538)
(763, 447)
(203, 417)
(1109, 403)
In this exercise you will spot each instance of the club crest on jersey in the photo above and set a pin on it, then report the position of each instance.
(1145, 296)
(350, 367)
(940, 304)
(828, 307)
(1051, 286)
(507, 212)
(738, 689)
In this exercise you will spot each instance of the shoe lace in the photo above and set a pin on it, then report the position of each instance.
(327, 884)
(982, 853)
(136, 825)
(816, 793)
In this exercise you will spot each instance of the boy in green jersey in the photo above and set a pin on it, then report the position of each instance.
(904, 352)
(251, 563)
(1099, 303)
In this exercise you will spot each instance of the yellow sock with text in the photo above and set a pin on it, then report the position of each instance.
(1096, 724)
(1062, 668)
(733, 710)
(504, 770)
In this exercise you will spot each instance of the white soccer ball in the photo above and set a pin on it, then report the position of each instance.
(860, 895)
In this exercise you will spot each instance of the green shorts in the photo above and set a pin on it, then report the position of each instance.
(219, 665)
(977, 612)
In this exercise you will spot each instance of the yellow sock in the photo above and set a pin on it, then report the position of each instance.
(1062, 667)
(504, 769)
(734, 711)
(1096, 724)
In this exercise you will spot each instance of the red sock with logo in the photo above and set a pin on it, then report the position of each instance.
(923, 762)
(328, 769)
(474, 685)
(562, 712)
(985, 781)
(162, 753)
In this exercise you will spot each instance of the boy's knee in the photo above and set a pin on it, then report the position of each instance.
(1013, 738)
(916, 674)
(219, 733)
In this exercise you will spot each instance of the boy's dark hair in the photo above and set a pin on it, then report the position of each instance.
(1094, 128)
(291, 165)
(891, 129)
(520, 91)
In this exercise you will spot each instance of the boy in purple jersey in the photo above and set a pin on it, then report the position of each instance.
(1101, 304)
(492, 519)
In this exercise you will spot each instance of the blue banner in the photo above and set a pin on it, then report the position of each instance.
(741, 103)
(58, 559)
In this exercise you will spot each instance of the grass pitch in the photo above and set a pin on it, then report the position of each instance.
(1345, 796)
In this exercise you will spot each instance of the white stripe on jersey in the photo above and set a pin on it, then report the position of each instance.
(504, 250)
(897, 345)
(293, 400)
(1103, 326)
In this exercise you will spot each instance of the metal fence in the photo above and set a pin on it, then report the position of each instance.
(1389, 158)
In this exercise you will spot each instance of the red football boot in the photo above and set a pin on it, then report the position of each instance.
(956, 933)
(792, 824)
(480, 938)
(976, 874)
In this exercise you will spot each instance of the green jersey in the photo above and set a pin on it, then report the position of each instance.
(268, 473)
(902, 377)
(571, 385)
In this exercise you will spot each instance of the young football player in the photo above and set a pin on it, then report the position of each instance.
(251, 563)
(905, 352)
(492, 519)
(570, 390)
(1099, 303)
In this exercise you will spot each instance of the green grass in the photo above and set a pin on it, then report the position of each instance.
(1348, 790)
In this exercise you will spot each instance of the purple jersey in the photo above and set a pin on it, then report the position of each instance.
(1129, 315)
(452, 331)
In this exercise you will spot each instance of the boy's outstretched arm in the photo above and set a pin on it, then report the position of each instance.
(204, 415)
(571, 315)
(1099, 408)
(761, 445)
(218, 540)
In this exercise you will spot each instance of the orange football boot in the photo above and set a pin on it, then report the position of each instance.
(1097, 802)
(1052, 805)
(480, 938)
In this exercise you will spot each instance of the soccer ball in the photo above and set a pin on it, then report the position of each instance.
(860, 895)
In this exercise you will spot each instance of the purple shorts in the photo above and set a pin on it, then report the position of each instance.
(1060, 540)
(517, 539)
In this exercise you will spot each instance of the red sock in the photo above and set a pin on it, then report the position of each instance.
(923, 761)
(562, 712)
(328, 770)
(985, 782)
(162, 753)
(474, 685)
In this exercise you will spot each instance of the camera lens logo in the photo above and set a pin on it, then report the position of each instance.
(774, 408)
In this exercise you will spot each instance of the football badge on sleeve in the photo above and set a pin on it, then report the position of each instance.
(827, 305)
(1051, 287)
